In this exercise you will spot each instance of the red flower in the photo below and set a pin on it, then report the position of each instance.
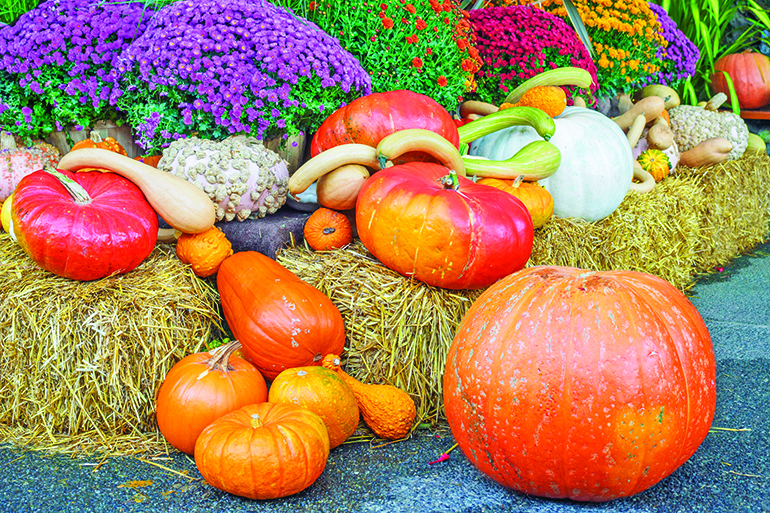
(429, 51)
(387, 23)
(421, 25)
(435, 29)
(417, 62)
(468, 65)
(442, 81)
(411, 8)
(373, 39)
(404, 20)
(311, 7)
(446, 21)
(383, 6)
(412, 39)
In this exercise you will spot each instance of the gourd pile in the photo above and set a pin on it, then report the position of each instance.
(452, 204)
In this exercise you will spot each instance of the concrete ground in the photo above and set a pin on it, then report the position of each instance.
(730, 472)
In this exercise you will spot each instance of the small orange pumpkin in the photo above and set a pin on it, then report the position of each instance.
(151, 160)
(205, 251)
(202, 387)
(263, 451)
(656, 163)
(328, 229)
(323, 392)
(535, 197)
(95, 140)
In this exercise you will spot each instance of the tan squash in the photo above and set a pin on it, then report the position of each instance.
(473, 107)
(329, 160)
(387, 410)
(651, 107)
(339, 189)
(646, 180)
(180, 203)
(635, 130)
(660, 136)
(756, 145)
(418, 139)
(669, 96)
(708, 153)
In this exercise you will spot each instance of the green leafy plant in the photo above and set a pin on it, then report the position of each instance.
(706, 23)
(10, 10)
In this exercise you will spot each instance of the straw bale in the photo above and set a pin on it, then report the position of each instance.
(81, 362)
(399, 330)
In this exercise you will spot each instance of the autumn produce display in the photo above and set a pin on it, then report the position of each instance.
(480, 155)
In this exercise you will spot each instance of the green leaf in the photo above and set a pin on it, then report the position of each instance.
(733, 95)
(760, 13)
(577, 23)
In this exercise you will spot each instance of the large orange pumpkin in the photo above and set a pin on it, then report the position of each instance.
(444, 230)
(263, 451)
(323, 392)
(281, 321)
(567, 383)
(202, 387)
(750, 73)
(535, 197)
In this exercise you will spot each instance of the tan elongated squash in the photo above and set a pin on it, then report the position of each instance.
(651, 107)
(660, 136)
(180, 203)
(709, 152)
(338, 190)
(418, 139)
(329, 160)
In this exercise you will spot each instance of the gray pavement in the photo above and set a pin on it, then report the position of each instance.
(730, 472)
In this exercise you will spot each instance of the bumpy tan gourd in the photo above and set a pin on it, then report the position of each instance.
(387, 410)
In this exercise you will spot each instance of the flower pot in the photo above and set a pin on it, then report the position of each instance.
(63, 140)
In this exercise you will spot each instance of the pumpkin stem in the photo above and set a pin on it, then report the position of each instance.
(7, 142)
(517, 181)
(95, 137)
(256, 422)
(329, 230)
(450, 181)
(220, 358)
(78, 193)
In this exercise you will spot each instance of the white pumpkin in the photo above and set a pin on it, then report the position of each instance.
(596, 162)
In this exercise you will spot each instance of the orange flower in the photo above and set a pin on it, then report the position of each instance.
(387, 23)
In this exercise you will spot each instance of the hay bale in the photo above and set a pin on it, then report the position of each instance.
(399, 330)
(81, 362)
(687, 225)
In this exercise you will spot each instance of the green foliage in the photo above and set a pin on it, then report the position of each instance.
(420, 45)
(10, 10)
(705, 23)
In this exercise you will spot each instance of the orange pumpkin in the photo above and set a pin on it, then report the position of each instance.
(327, 229)
(202, 387)
(535, 197)
(95, 140)
(282, 321)
(323, 392)
(151, 160)
(205, 251)
(567, 383)
(263, 451)
(750, 73)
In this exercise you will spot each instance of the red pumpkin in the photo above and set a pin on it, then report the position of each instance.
(281, 321)
(263, 451)
(453, 235)
(562, 382)
(750, 73)
(202, 387)
(83, 226)
(367, 120)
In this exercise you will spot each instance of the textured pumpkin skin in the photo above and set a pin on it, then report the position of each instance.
(596, 166)
(16, 163)
(205, 251)
(587, 385)
(327, 229)
(656, 163)
(283, 456)
(112, 234)
(535, 197)
(323, 392)
(367, 120)
(281, 321)
(193, 395)
(750, 73)
(465, 239)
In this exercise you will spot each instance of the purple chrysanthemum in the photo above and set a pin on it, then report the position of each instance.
(679, 56)
(231, 66)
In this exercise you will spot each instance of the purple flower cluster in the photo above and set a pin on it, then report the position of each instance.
(517, 43)
(679, 57)
(63, 53)
(229, 66)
